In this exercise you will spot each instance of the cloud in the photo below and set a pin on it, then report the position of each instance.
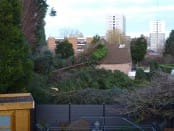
(83, 14)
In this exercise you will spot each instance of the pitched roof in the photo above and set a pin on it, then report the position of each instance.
(117, 55)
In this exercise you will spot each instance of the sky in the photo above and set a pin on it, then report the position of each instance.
(89, 16)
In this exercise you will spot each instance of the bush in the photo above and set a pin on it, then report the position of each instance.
(43, 62)
(154, 66)
(143, 76)
(89, 77)
(39, 88)
(140, 74)
(99, 53)
(167, 68)
(89, 96)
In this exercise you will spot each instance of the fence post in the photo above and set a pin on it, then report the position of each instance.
(69, 112)
(104, 116)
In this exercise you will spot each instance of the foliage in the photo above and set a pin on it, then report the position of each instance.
(15, 63)
(168, 59)
(166, 68)
(169, 46)
(138, 49)
(100, 52)
(32, 22)
(64, 49)
(115, 37)
(60, 63)
(96, 39)
(89, 77)
(43, 62)
(39, 88)
(154, 66)
(141, 75)
(40, 32)
(88, 96)
(152, 100)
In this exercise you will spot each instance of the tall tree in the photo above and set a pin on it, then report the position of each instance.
(115, 37)
(15, 65)
(138, 49)
(64, 49)
(169, 46)
(32, 22)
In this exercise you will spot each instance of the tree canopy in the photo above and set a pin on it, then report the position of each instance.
(64, 49)
(138, 49)
(169, 46)
(15, 64)
(95, 39)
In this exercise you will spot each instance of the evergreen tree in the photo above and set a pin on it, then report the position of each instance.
(138, 49)
(15, 64)
(64, 49)
(169, 46)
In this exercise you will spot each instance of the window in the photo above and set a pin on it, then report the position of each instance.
(6, 121)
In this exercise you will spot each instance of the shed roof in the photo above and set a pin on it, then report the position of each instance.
(16, 101)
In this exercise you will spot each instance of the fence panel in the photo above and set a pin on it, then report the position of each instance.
(107, 116)
(52, 114)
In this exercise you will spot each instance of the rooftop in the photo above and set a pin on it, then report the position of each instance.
(16, 101)
(117, 55)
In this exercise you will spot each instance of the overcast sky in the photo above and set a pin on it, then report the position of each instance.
(89, 16)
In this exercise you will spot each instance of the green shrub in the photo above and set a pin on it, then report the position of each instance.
(43, 62)
(154, 66)
(167, 68)
(143, 76)
(39, 88)
(100, 52)
(89, 77)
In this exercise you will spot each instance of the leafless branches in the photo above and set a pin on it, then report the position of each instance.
(152, 100)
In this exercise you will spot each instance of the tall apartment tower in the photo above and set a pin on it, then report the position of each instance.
(157, 35)
(116, 21)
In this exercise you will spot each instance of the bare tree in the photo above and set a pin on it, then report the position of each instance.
(70, 32)
(115, 37)
(154, 99)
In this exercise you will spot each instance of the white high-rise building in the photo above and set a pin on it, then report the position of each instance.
(116, 21)
(157, 35)
(157, 26)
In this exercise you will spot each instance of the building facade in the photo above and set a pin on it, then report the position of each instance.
(78, 44)
(157, 36)
(116, 22)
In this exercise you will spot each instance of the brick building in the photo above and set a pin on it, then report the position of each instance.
(78, 44)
